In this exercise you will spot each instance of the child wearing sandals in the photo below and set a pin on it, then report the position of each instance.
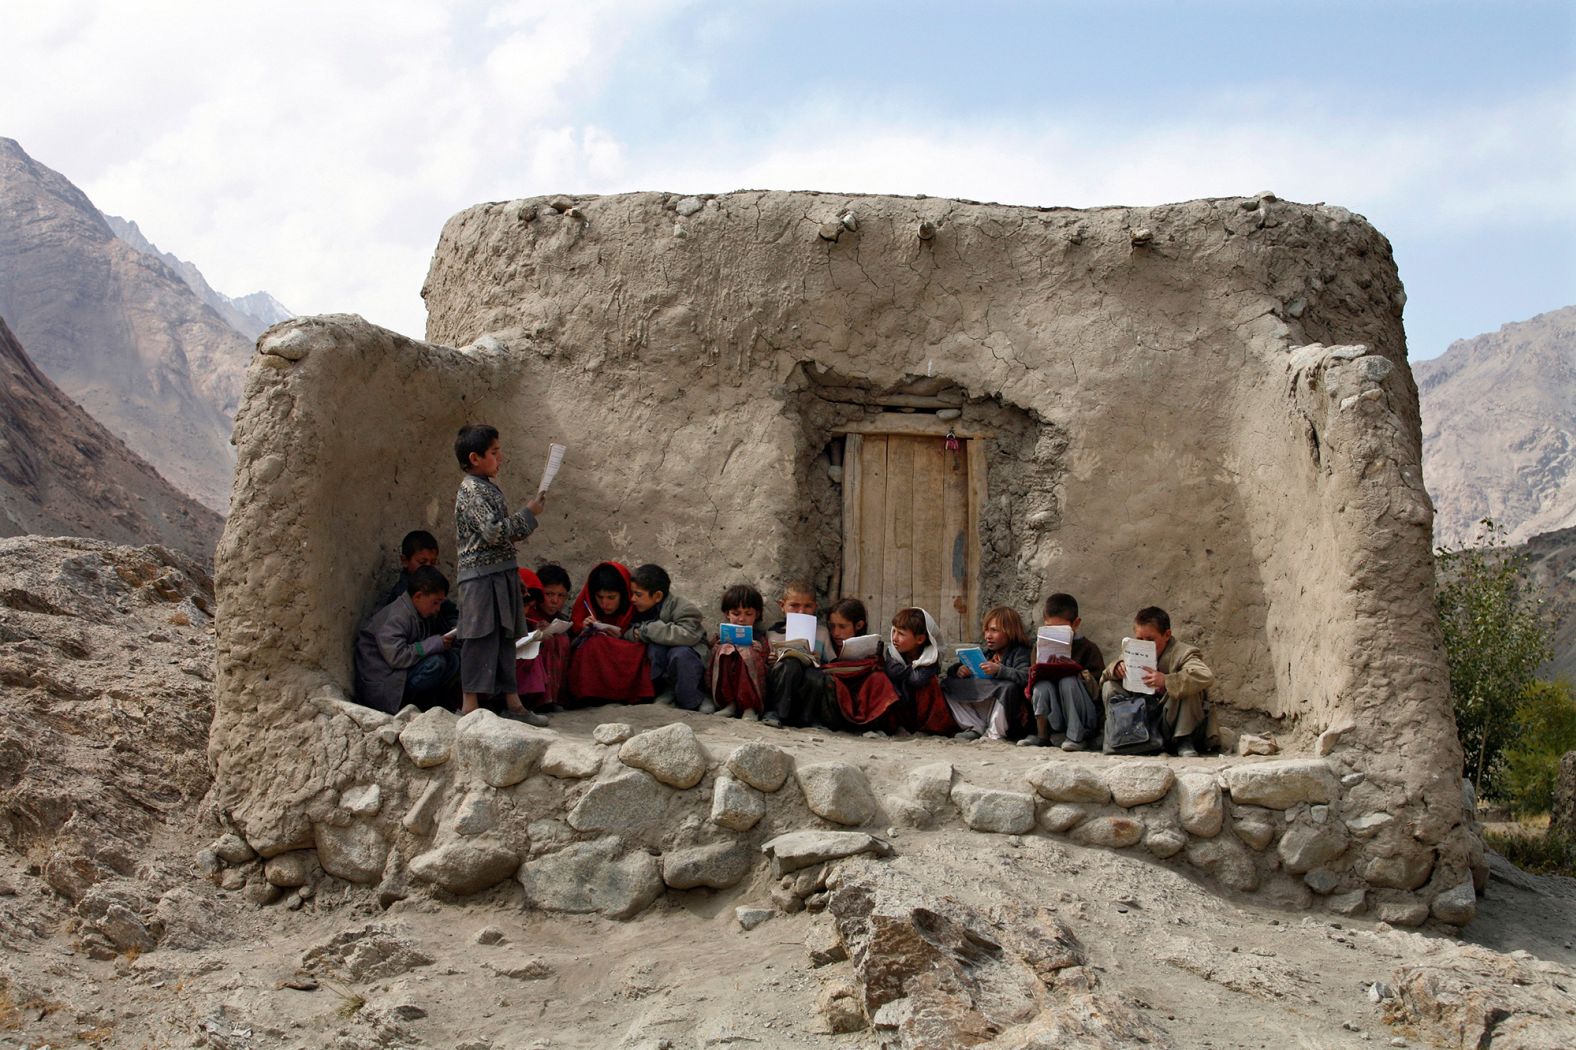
(979, 705)
(737, 677)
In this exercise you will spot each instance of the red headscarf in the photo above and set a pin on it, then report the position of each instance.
(585, 604)
(529, 581)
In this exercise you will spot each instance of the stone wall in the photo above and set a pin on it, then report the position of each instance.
(1205, 405)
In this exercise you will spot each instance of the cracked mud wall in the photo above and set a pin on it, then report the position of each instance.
(1165, 440)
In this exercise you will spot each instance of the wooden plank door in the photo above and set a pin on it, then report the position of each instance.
(910, 536)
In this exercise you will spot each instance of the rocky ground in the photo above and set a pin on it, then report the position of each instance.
(114, 934)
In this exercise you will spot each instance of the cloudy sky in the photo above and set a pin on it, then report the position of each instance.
(314, 149)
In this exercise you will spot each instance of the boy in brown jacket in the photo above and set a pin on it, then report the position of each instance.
(1180, 677)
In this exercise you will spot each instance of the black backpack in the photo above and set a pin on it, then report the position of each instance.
(1134, 725)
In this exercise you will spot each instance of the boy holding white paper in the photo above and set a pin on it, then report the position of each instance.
(1062, 683)
(1179, 677)
(795, 684)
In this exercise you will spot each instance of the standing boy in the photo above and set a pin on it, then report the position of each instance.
(1180, 678)
(400, 658)
(674, 636)
(1063, 696)
(491, 612)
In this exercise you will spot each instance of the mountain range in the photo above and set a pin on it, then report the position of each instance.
(123, 329)
(62, 473)
(1499, 429)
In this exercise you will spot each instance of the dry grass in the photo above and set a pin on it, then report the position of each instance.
(1530, 846)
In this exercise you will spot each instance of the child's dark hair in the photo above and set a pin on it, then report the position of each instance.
(1154, 616)
(652, 579)
(1008, 622)
(473, 439)
(852, 610)
(1061, 606)
(416, 541)
(551, 573)
(912, 621)
(427, 580)
(743, 596)
(607, 578)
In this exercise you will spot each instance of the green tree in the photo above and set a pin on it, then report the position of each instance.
(1547, 729)
(1497, 634)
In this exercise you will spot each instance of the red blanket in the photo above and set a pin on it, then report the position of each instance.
(931, 713)
(739, 677)
(864, 693)
(603, 668)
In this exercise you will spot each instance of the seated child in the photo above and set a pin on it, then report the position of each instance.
(737, 677)
(861, 695)
(603, 666)
(419, 548)
(794, 684)
(913, 663)
(671, 629)
(1062, 694)
(399, 658)
(1180, 679)
(530, 675)
(555, 649)
(979, 705)
(489, 582)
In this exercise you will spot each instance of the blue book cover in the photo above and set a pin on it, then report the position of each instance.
(974, 658)
(736, 635)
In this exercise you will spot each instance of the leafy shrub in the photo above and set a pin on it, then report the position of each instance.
(1546, 729)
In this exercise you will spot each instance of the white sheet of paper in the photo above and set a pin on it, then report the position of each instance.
(555, 459)
(1138, 656)
(801, 627)
(607, 628)
(556, 627)
(528, 647)
(861, 648)
(1053, 642)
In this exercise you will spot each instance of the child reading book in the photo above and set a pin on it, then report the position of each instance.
(794, 684)
(674, 634)
(860, 695)
(913, 663)
(1062, 688)
(604, 667)
(978, 699)
(489, 582)
(555, 647)
(737, 675)
(1180, 680)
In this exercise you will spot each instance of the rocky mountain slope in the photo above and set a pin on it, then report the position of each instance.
(248, 314)
(1499, 429)
(63, 473)
(1553, 566)
(119, 331)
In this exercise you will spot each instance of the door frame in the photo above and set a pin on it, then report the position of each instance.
(915, 425)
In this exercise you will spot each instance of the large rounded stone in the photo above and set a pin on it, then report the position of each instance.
(931, 784)
(1283, 784)
(1256, 827)
(289, 870)
(429, 737)
(765, 767)
(1064, 816)
(501, 751)
(592, 877)
(734, 805)
(1165, 841)
(1109, 832)
(988, 809)
(569, 761)
(1069, 782)
(466, 866)
(671, 754)
(1458, 905)
(621, 803)
(1308, 846)
(355, 853)
(610, 733)
(716, 866)
(1138, 783)
(1227, 860)
(837, 792)
(1406, 868)
(1200, 806)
